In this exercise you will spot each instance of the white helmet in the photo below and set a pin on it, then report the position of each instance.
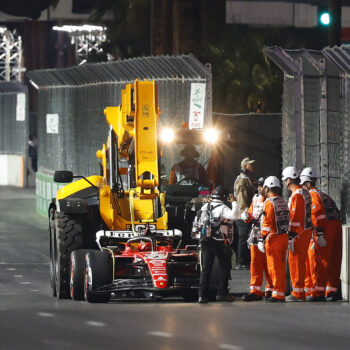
(291, 172)
(311, 172)
(272, 181)
(304, 178)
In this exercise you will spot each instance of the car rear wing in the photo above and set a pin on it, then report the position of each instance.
(128, 235)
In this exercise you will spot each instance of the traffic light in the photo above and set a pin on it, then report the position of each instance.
(324, 17)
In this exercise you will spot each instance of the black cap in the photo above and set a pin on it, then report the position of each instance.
(261, 181)
(219, 192)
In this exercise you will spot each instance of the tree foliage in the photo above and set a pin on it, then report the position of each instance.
(129, 32)
(244, 80)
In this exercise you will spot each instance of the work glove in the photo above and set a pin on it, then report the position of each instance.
(245, 215)
(261, 244)
(291, 238)
(320, 238)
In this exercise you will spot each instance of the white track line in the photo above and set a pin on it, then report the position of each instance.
(95, 324)
(230, 347)
(45, 314)
(160, 334)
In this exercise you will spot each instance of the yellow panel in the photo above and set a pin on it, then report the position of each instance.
(102, 154)
(143, 209)
(136, 118)
(77, 186)
(146, 116)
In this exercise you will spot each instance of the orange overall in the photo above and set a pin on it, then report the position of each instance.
(324, 262)
(276, 245)
(258, 263)
(300, 223)
(316, 278)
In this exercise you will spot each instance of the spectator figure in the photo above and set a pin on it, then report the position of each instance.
(243, 190)
(189, 171)
(33, 151)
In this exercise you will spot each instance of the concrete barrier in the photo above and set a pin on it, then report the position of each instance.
(345, 266)
(12, 170)
(45, 190)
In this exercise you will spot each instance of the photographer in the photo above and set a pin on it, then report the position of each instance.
(210, 227)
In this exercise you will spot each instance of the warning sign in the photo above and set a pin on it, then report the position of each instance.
(52, 123)
(21, 107)
(197, 104)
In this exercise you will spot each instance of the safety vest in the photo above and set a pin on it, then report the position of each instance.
(307, 201)
(186, 173)
(331, 209)
(281, 213)
(258, 206)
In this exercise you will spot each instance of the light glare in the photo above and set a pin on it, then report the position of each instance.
(211, 135)
(167, 135)
(82, 28)
(325, 19)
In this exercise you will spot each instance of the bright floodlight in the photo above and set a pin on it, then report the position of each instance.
(3, 30)
(325, 18)
(167, 135)
(211, 135)
(82, 28)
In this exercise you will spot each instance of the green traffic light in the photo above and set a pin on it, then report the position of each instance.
(325, 18)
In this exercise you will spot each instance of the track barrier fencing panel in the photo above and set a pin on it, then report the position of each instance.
(70, 121)
(315, 124)
(315, 115)
(13, 133)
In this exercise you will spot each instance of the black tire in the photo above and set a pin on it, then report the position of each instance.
(68, 237)
(52, 252)
(77, 274)
(98, 272)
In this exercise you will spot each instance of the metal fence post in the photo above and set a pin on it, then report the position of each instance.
(299, 116)
(324, 130)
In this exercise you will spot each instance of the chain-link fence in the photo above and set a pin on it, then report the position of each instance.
(71, 123)
(79, 95)
(13, 118)
(257, 136)
(315, 115)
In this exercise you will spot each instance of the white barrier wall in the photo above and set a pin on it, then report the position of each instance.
(345, 266)
(12, 170)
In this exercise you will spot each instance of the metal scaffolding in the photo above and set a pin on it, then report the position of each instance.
(10, 56)
(85, 38)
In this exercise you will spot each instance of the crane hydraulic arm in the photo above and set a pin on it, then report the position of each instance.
(133, 140)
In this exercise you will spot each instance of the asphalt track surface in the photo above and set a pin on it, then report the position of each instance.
(30, 318)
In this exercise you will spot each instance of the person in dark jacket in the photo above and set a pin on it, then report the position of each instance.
(244, 190)
(189, 171)
(214, 242)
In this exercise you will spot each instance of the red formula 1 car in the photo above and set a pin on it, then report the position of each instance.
(130, 265)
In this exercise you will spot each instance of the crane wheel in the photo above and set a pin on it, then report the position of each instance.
(68, 238)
